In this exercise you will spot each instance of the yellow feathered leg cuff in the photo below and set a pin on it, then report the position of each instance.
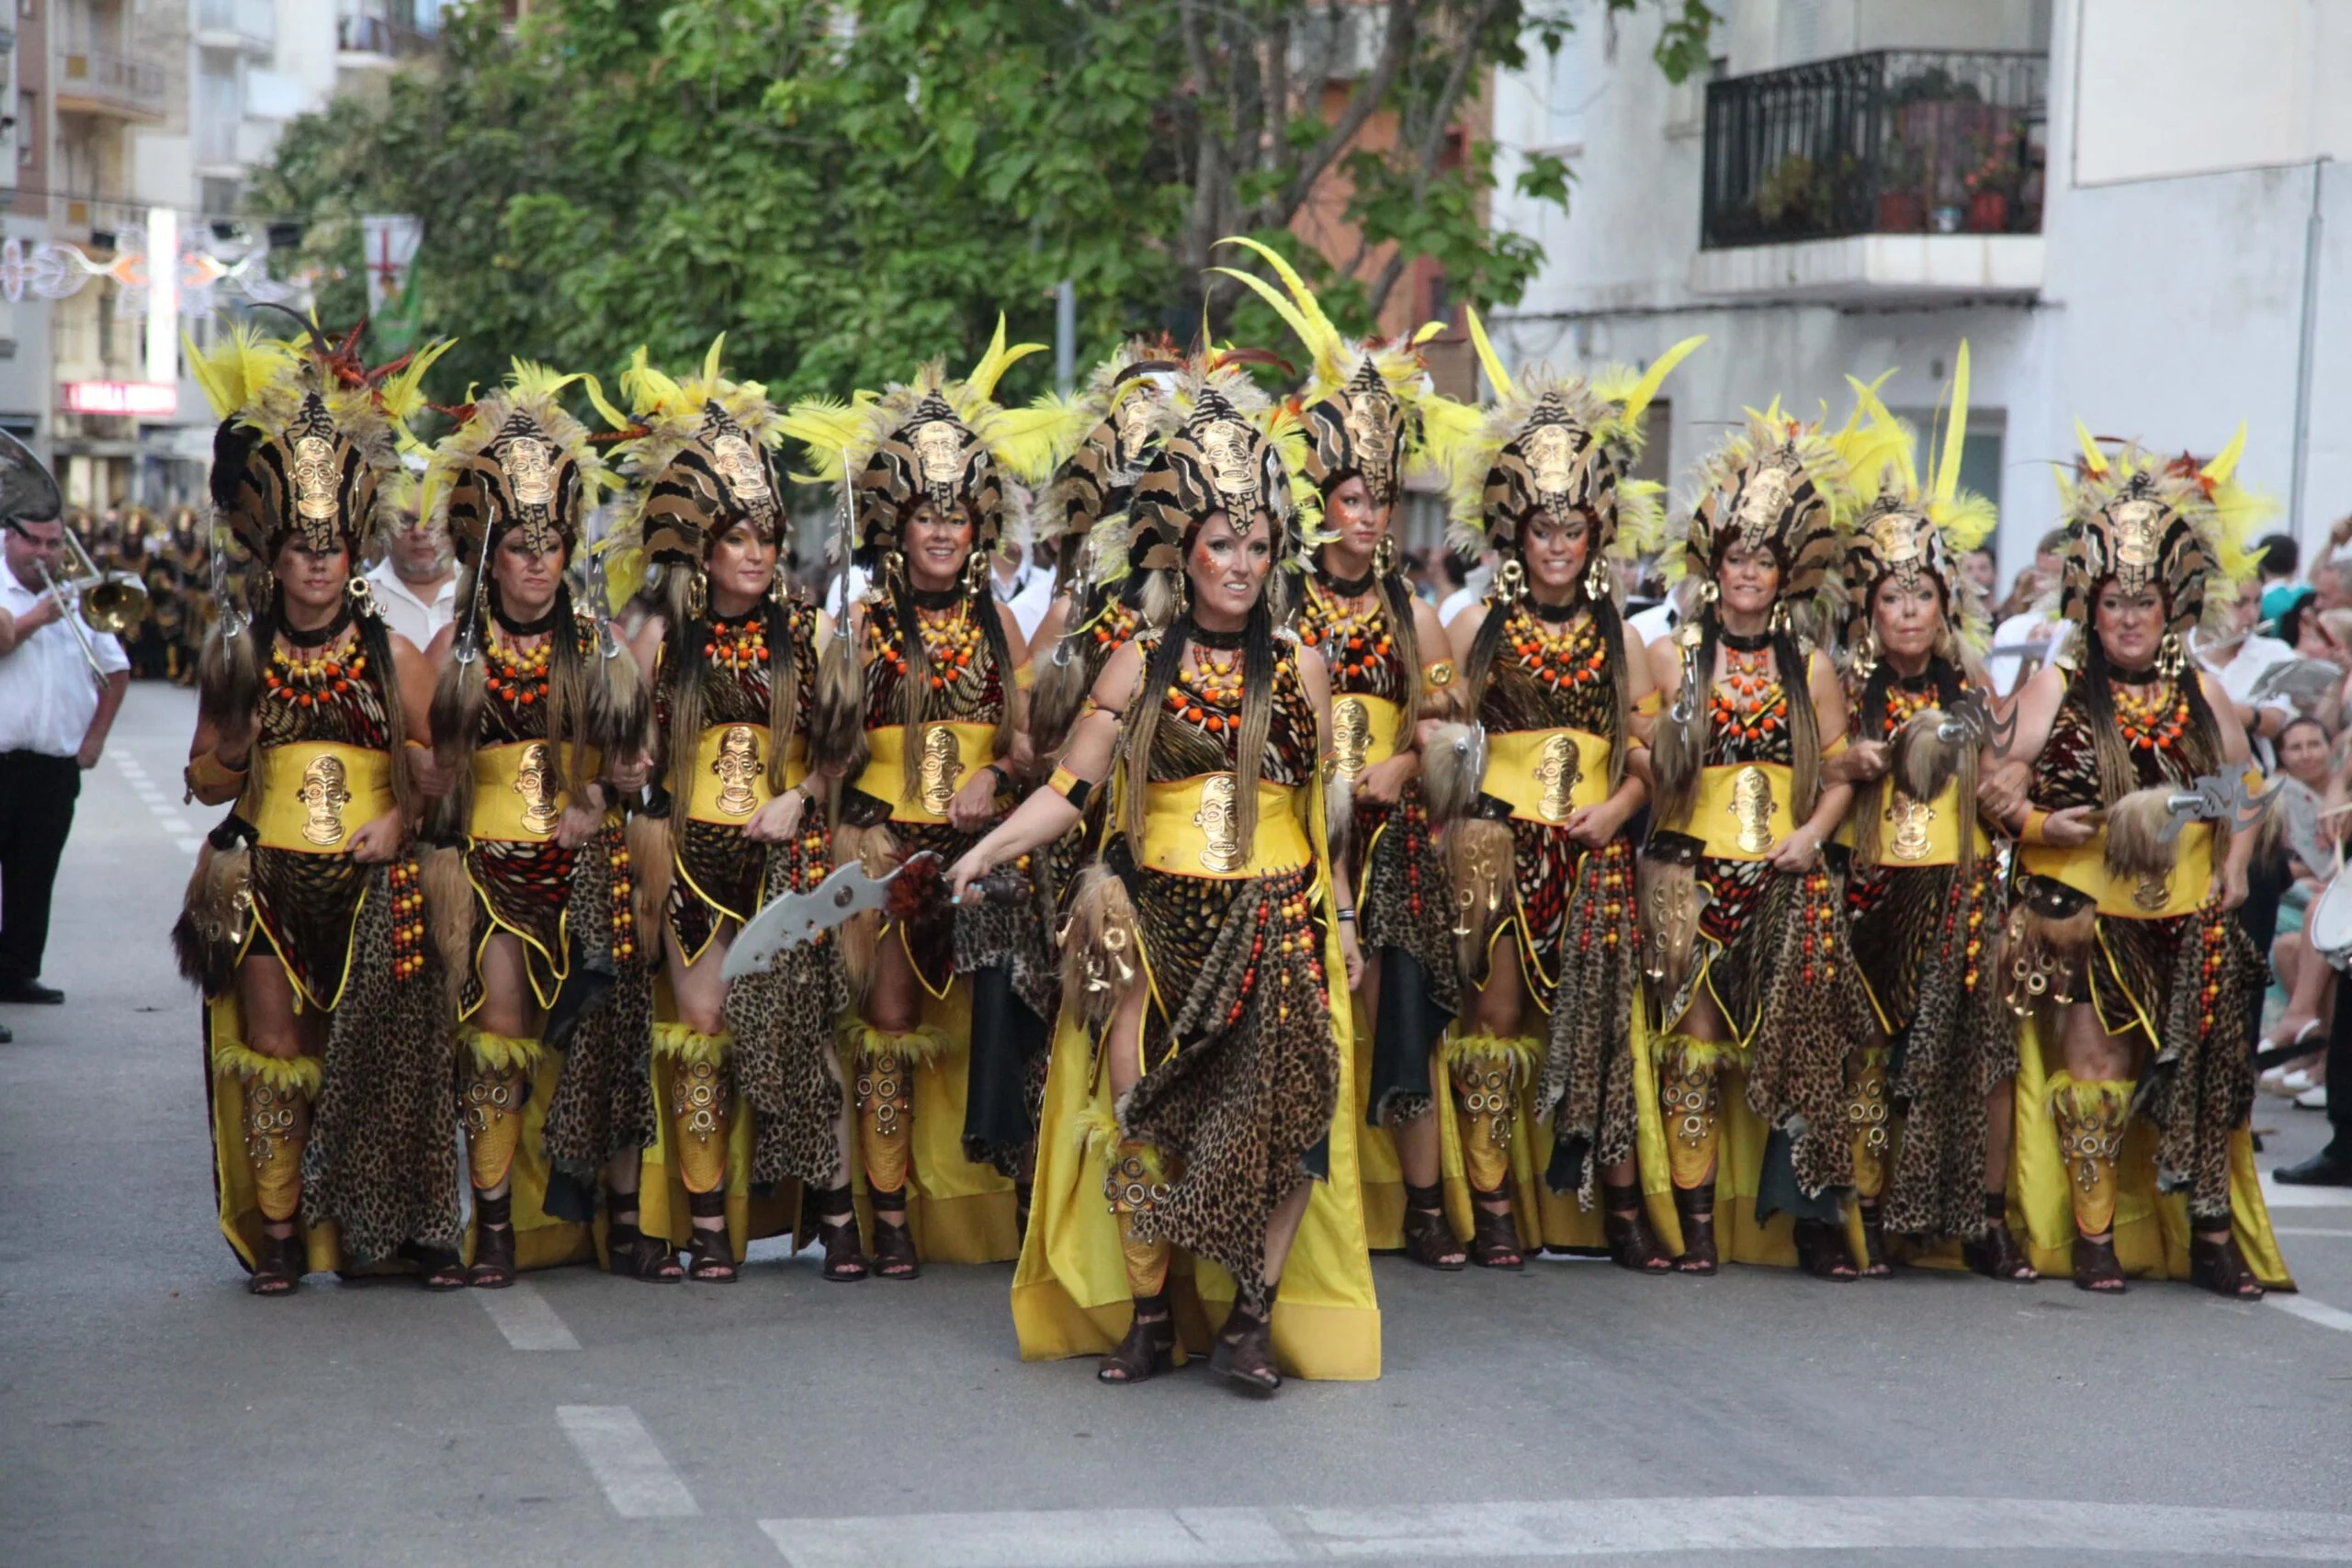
(298, 1076)
(702, 1094)
(1690, 1093)
(276, 1117)
(913, 1048)
(1487, 1070)
(502, 1052)
(2091, 1116)
(1134, 1181)
(676, 1042)
(490, 1104)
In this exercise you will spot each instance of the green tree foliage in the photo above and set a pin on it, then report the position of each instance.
(849, 188)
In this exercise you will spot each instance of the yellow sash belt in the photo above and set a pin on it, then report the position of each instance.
(730, 776)
(316, 794)
(958, 751)
(1743, 809)
(1189, 828)
(1911, 834)
(1547, 775)
(515, 792)
(2084, 868)
(1363, 731)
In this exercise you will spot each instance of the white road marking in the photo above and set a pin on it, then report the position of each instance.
(2279, 1197)
(621, 1454)
(2306, 1230)
(172, 822)
(526, 1318)
(1146, 1537)
(2310, 1310)
(190, 846)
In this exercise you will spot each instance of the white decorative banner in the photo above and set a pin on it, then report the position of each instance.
(53, 270)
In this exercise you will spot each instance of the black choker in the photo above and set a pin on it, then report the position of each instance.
(935, 598)
(539, 627)
(1223, 642)
(2145, 675)
(324, 634)
(1553, 613)
(1922, 682)
(1740, 644)
(1347, 587)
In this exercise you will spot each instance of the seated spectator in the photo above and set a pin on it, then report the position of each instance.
(2277, 558)
(2307, 786)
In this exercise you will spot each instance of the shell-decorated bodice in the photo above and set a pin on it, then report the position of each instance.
(1200, 727)
(1357, 644)
(1549, 674)
(2154, 722)
(334, 694)
(965, 685)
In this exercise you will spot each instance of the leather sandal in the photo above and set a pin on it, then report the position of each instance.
(1149, 1347)
(1695, 1207)
(2220, 1267)
(893, 1244)
(438, 1268)
(633, 1255)
(1821, 1252)
(1874, 1263)
(278, 1265)
(1633, 1245)
(493, 1268)
(1245, 1351)
(1996, 1254)
(844, 1252)
(1493, 1237)
(710, 1252)
(1428, 1239)
(2096, 1268)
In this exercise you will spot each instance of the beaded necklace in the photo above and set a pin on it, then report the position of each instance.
(1116, 627)
(305, 681)
(950, 640)
(1904, 703)
(1208, 690)
(2155, 721)
(519, 675)
(1747, 701)
(1559, 654)
(1355, 628)
(738, 645)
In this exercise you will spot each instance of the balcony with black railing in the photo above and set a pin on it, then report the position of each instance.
(1888, 142)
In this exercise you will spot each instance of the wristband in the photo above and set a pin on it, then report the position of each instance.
(1004, 779)
(2031, 832)
(1347, 915)
(209, 773)
(1070, 787)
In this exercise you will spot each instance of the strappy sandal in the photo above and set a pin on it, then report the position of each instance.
(494, 1266)
(1996, 1254)
(633, 1255)
(2096, 1267)
(277, 1266)
(1633, 1245)
(845, 1253)
(1428, 1240)
(1874, 1263)
(1245, 1351)
(710, 1254)
(1695, 1207)
(1821, 1252)
(1493, 1237)
(2220, 1267)
(438, 1268)
(1149, 1347)
(893, 1244)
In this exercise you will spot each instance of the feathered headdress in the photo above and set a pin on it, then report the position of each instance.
(1778, 484)
(1558, 445)
(1363, 395)
(1123, 413)
(307, 436)
(934, 438)
(516, 460)
(1907, 529)
(2170, 524)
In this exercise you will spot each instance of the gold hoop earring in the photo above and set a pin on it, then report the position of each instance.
(2169, 656)
(362, 594)
(1384, 557)
(1709, 592)
(1595, 580)
(976, 572)
(894, 567)
(1509, 582)
(697, 594)
(1780, 617)
(1866, 653)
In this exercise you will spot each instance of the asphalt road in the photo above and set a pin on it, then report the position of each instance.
(151, 1413)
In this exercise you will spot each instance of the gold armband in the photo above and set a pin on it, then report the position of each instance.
(2031, 832)
(1648, 705)
(207, 773)
(1440, 673)
(1070, 787)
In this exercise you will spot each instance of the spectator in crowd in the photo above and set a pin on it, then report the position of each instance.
(1457, 571)
(2299, 849)
(416, 582)
(2238, 659)
(1980, 568)
(2021, 641)
(2277, 558)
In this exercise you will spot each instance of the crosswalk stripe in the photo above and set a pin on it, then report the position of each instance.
(628, 1464)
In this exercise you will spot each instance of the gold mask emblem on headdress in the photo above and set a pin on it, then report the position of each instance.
(1132, 420)
(1751, 807)
(737, 766)
(530, 470)
(1895, 540)
(1762, 500)
(1551, 457)
(531, 782)
(315, 478)
(2134, 525)
(939, 450)
(1911, 818)
(1219, 824)
(941, 761)
(1559, 772)
(1351, 736)
(1371, 423)
(1226, 447)
(324, 793)
(741, 469)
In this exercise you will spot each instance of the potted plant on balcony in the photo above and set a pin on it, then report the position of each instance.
(1990, 185)
(1902, 190)
(1788, 195)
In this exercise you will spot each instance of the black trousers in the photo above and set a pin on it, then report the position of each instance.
(36, 795)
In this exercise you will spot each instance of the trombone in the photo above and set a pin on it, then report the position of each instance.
(111, 602)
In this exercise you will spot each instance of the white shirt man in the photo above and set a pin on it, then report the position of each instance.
(416, 583)
(1026, 589)
(53, 723)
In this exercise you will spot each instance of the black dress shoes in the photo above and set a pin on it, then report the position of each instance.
(2325, 1169)
(30, 992)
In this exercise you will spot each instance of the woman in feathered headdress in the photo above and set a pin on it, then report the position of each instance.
(733, 658)
(918, 706)
(1536, 800)
(1931, 1103)
(1747, 950)
(322, 1027)
(2125, 951)
(1390, 669)
(537, 722)
(1211, 1093)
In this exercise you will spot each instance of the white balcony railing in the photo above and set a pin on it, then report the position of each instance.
(247, 24)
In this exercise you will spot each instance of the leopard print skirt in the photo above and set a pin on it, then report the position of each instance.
(784, 1018)
(602, 1104)
(1587, 1084)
